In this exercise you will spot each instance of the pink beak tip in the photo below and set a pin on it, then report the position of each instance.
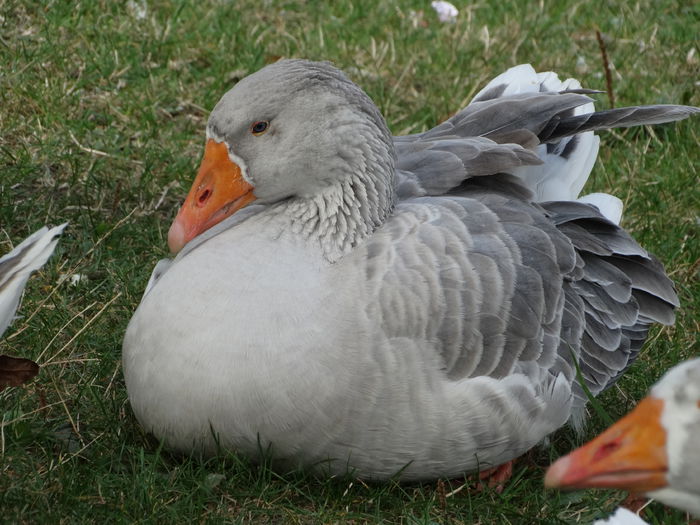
(555, 473)
(176, 237)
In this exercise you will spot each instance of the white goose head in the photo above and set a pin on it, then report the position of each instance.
(654, 450)
(299, 132)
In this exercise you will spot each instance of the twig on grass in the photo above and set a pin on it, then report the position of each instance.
(60, 330)
(84, 327)
(606, 66)
(99, 152)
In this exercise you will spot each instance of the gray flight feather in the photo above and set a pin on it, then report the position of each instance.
(516, 122)
(615, 118)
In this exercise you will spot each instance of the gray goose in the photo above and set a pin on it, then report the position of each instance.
(346, 301)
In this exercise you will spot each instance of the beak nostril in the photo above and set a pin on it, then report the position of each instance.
(606, 450)
(203, 197)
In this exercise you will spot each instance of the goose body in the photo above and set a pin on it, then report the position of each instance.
(349, 301)
(653, 450)
(17, 265)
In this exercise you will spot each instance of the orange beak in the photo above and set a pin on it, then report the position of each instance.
(218, 191)
(630, 455)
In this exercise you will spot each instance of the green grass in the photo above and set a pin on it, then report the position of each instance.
(102, 119)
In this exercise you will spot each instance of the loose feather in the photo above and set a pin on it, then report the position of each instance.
(17, 265)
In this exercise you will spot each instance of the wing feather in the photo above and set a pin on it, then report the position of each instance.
(497, 284)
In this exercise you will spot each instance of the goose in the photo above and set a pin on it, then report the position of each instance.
(17, 265)
(352, 303)
(653, 450)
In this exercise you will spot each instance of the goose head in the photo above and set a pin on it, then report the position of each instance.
(654, 450)
(294, 131)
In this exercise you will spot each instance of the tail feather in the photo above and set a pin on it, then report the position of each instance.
(609, 205)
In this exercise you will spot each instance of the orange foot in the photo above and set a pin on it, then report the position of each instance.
(496, 477)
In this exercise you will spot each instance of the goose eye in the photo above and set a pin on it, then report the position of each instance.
(260, 127)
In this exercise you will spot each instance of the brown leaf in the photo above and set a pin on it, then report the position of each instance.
(15, 371)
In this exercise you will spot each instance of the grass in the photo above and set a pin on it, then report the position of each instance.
(102, 113)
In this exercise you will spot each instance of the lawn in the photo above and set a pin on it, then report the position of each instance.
(102, 113)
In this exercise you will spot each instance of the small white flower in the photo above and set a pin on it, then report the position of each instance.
(446, 11)
(416, 18)
(138, 10)
(74, 279)
(581, 65)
